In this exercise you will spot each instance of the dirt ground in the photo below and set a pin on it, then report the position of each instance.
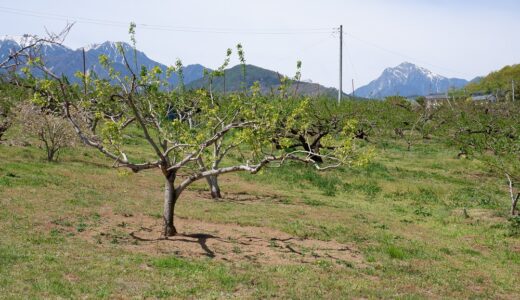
(223, 242)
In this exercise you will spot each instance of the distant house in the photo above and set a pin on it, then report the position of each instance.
(484, 97)
(433, 100)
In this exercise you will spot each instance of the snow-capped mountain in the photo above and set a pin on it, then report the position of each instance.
(407, 80)
(66, 61)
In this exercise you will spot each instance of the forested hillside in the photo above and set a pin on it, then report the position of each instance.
(233, 80)
(498, 82)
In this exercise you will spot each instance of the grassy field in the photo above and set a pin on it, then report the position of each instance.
(417, 224)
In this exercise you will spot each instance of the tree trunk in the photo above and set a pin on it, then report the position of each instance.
(170, 198)
(212, 182)
(315, 157)
(214, 187)
(514, 199)
(4, 124)
(3, 128)
(51, 153)
(514, 203)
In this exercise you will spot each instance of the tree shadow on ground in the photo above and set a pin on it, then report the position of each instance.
(200, 238)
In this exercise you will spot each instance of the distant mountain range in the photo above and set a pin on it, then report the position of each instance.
(269, 82)
(408, 80)
(65, 61)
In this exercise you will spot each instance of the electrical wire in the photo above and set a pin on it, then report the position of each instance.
(204, 30)
(351, 61)
(400, 54)
(102, 22)
(304, 49)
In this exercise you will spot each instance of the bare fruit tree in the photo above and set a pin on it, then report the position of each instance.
(19, 60)
(53, 131)
(5, 121)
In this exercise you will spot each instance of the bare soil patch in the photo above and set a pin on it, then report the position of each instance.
(222, 242)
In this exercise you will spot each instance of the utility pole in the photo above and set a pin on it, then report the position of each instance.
(340, 91)
(353, 89)
(84, 72)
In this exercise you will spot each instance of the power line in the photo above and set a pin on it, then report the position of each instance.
(206, 30)
(401, 54)
(304, 49)
(103, 22)
(351, 61)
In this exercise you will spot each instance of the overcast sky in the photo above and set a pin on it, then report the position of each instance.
(455, 38)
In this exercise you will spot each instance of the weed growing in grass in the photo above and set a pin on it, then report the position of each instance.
(370, 189)
(333, 231)
(313, 202)
(399, 209)
(237, 250)
(381, 226)
(325, 264)
(471, 252)
(402, 249)
(286, 201)
(299, 228)
(437, 166)
(361, 218)
(514, 226)
(62, 222)
(396, 252)
(160, 294)
(95, 217)
(426, 195)
(422, 211)
(345, 263)
(396, 196)
(81, 227)
(446, 251)
(472, 197)
(155, 215)
(372, 170)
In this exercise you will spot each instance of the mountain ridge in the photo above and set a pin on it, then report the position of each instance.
(269, 82)
(64, 60)
(408, 79)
